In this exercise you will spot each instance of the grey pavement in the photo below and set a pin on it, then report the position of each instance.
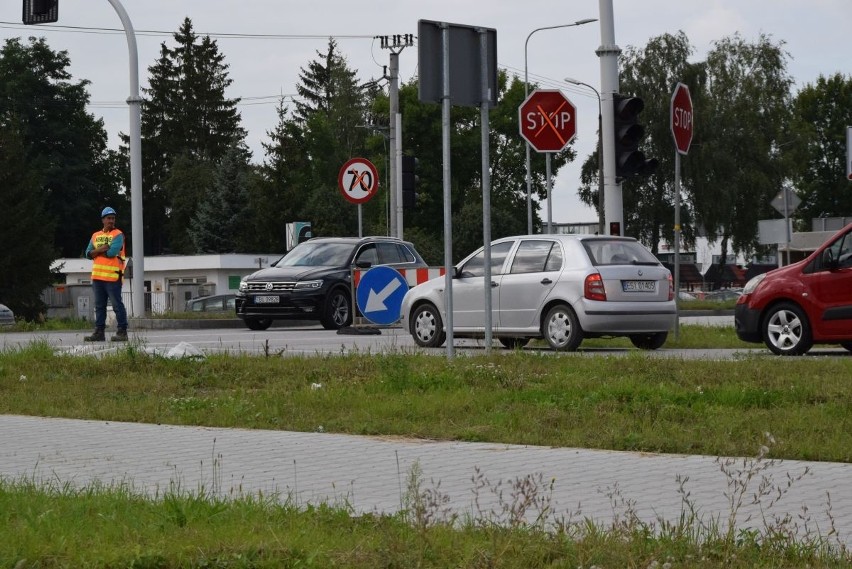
(370, 474)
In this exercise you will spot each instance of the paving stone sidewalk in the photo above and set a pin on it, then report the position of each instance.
(371, 473)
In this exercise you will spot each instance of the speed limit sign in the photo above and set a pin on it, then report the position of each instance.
(358, 180)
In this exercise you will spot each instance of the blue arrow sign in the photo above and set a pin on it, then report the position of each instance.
(380, 295)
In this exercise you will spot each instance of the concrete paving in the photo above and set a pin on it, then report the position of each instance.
(371, 474)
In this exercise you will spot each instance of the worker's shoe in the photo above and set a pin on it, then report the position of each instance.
(120, 336)
(96, 336)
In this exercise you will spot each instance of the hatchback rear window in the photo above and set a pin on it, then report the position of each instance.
(618, 252)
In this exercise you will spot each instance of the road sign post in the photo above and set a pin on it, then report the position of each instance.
(682, 127)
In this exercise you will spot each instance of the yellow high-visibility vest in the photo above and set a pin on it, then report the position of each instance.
(107, 268)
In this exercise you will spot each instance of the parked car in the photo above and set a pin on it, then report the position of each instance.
(213, 303)
(562, 288)
(314, 280)
(810, 302)
(7, 317)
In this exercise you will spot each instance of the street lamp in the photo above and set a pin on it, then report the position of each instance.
(600, 154)
(526, 94)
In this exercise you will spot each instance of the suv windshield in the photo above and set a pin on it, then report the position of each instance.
(310, 254)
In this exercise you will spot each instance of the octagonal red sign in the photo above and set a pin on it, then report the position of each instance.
(682, 118)
(547, 120)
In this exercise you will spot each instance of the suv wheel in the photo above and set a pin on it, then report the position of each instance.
(427, 327)
(786, 330)
(337, 312)
(258, 323)
(561, 329)
(649, 341)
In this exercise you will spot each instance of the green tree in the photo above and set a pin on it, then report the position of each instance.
(817, 147)
(741, 122)
(651, 73)
(220, 221)
(25, 265)
(187, 117)
(65, 146)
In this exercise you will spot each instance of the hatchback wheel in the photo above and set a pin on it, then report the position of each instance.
(786, 330)
(337, 312)
(258, 323)
(427, 327)
(649, 341)
(561, 329)
(513, 343)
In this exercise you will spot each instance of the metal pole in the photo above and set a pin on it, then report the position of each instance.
(526, 94)
(393, 95)
(486, 186)
(134, 102)
(677, 244)
(608, 54)
(548, 183)
(360, 233)
(448, 210)
(786, 224)
(397, 120)
(600, 154)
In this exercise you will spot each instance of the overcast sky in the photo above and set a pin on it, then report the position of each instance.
(816, 33)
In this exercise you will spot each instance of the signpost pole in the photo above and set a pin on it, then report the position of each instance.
(486, 186)
(448, 213)
(677, 244)
(549, 193)
(681, 123)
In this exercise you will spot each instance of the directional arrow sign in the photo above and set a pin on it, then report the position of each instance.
(380, 294)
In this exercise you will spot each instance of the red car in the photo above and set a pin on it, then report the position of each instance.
(810, 302)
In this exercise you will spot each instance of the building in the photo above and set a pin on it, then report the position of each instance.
(170, 280)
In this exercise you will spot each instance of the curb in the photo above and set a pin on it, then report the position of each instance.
(207, 323)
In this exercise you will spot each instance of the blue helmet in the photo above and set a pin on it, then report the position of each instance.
(107, 211)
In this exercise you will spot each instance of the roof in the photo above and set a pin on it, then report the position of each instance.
(809, 240)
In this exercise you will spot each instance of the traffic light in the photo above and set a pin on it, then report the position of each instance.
(40, 11)
(629, 160)
(409, 181)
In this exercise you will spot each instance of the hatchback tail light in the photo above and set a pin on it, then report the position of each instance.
(671, 287)
(593, 288)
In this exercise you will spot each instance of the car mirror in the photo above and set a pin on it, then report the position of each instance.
(363, 264)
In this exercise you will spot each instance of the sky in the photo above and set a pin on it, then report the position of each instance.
(815, 33)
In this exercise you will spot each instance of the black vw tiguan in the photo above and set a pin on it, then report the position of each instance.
(314, 280)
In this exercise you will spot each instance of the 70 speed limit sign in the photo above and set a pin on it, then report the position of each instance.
(358, 180)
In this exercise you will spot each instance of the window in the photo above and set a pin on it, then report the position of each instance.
(388, 253)
(367, 254)
(533, 256)
(475, 267)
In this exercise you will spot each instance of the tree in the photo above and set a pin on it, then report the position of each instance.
(736, 169)
(817, 147)
(64, 145)
(25, 264)
(186, 117)
(220, 221)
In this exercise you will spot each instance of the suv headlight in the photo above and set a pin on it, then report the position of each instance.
(308, 285)
(243, 285)
(753, 283)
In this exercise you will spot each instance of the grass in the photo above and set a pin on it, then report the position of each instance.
(629, 402)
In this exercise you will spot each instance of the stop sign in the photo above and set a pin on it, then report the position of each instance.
(681, 118)
(547, 120)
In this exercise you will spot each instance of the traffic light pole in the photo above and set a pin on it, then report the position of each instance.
(608, 54)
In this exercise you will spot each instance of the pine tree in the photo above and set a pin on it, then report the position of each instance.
(186, 117)
(220, 220)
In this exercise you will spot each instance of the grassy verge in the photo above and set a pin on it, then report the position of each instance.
(59, 526)
(628, 402)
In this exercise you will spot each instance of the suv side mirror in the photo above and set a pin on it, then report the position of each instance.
(363, 264)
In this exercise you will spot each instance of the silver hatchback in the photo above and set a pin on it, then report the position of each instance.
(562, 288)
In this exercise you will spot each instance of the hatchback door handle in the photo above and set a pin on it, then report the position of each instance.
(546, 281)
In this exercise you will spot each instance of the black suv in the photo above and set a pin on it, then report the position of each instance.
(314, 280)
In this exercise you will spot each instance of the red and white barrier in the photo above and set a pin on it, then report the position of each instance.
(413, 277)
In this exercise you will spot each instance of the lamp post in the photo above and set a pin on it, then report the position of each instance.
(600, 154)
(526, 94)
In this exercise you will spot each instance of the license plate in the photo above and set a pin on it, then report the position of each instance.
(639, 286)
(266, 300)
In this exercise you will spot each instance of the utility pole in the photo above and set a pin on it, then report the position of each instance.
(395, 44)
(608, 54)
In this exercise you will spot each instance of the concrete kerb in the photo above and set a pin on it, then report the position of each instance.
(206, 323)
